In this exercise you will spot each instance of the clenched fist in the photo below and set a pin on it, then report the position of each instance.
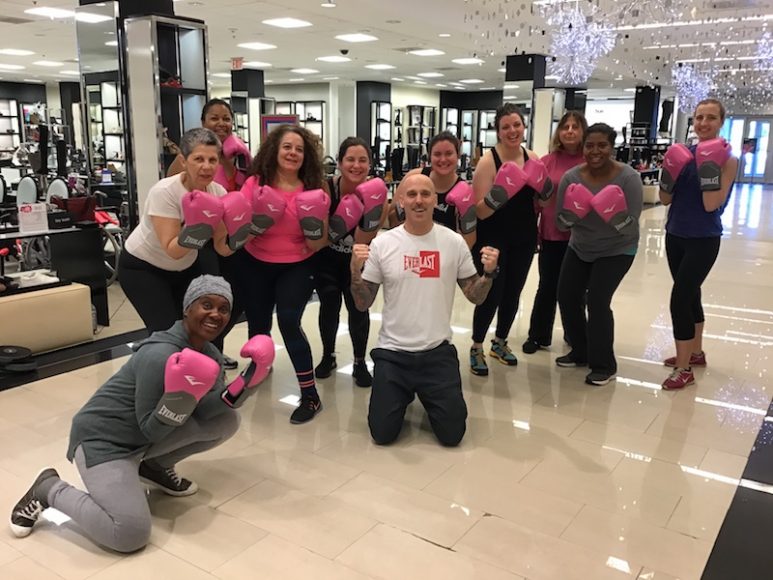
(489, 257)
(360, 253)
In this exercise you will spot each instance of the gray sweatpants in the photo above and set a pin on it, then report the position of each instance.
(115, 513)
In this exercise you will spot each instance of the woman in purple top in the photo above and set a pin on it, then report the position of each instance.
(699, 180)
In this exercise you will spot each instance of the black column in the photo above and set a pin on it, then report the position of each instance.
(575, 100)
(368, 91)
(248, 81)
(526, 67)
(70, 93)
(645, 108)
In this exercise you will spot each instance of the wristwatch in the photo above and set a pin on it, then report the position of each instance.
(491, 275)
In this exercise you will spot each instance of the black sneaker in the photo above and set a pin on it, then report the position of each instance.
(361, 374)
(532, 346)
(599, 379)
(326, 366)
(28, 509)
(167, 480)
(569, 360)
(229, 364)
(306, 411)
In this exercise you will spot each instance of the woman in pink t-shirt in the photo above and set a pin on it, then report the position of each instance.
(566, 152)
(273, 271)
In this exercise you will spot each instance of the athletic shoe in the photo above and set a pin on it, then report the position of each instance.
(532, 346)
(679, 379)
(306, 410)
(326, 366)
(361, 374)
(28, 509)
(570, 360)
(696, 360)
(167, 480)
(502, 352)
(229, 364)
(599, 379)
(478, 364)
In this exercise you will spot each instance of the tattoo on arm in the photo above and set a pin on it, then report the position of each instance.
(363, 292)
(475, 288)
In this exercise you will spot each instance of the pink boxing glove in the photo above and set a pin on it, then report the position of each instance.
(509, 180)
(345, 218)
(222, 178)
(462, 197)
(268, 206)
(233, 147)
(312, 208)
(538, 178)
(577, 204)
(674, 161)
(237, 216)
(188, 376)
(260, 349)
(711, 155)
(610, 204)
(373, 194)
(202, 212)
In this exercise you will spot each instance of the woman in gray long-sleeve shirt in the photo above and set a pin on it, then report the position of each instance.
(600, 201)
(117, 439)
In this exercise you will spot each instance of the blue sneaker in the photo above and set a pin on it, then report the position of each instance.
(478, 364)
(502, 352)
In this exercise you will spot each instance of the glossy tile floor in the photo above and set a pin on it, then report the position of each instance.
(554, 479)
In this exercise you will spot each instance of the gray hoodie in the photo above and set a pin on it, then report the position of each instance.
(119, 419)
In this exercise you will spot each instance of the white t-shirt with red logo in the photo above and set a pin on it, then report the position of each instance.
(419, 277)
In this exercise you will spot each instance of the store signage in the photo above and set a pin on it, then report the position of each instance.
(33, 218)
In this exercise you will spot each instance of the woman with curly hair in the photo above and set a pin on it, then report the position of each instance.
(274, 270)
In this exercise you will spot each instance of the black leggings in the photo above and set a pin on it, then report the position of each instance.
(514, 263)
(213, 263)
(287, 287)
(333, 280)
(543, 313)
(156, 294)
(591, 339)
(690, 261)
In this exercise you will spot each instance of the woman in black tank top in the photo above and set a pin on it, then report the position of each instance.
(512, 229)
(444, 151)
(332, 276)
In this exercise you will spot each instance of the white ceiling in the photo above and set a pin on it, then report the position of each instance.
(401, 25)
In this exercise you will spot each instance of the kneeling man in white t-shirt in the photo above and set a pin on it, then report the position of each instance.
(419, 264)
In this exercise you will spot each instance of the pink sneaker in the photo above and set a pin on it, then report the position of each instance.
(679, 379)
(696, 360)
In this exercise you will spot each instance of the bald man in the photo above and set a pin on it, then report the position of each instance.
(419, 263)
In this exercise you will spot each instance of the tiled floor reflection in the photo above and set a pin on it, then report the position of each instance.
(554, 480)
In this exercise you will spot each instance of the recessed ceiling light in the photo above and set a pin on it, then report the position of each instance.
(471, 81)
(397, 79)
(15, 52)
(50, 12)
(91, 18)
(379, 66)
(111, 43)
(330, 4)
(426, 52)
(70, 73)
(487, 88)
(630, 90)
(552, 78)
(221, 75)
(268, 81)
(512, 86)
(419, 83)
(356, 37)
(304, 71)
(287, 22)
(11, 66)
(334, 58)
(256, 45)
(470, 60)
(256, 64)
(32, 81)
(48, 63)
(296, 80)
(503, 69)
(444, 35)
(329, 78)
(430, 75)
(440, 85)
(413, 78)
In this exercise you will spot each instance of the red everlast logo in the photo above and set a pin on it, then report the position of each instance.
(426, 264)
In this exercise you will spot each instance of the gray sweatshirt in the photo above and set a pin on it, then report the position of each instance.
(592, 238)
(119, 419)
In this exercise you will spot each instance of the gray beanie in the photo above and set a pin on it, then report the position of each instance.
(207, 284)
